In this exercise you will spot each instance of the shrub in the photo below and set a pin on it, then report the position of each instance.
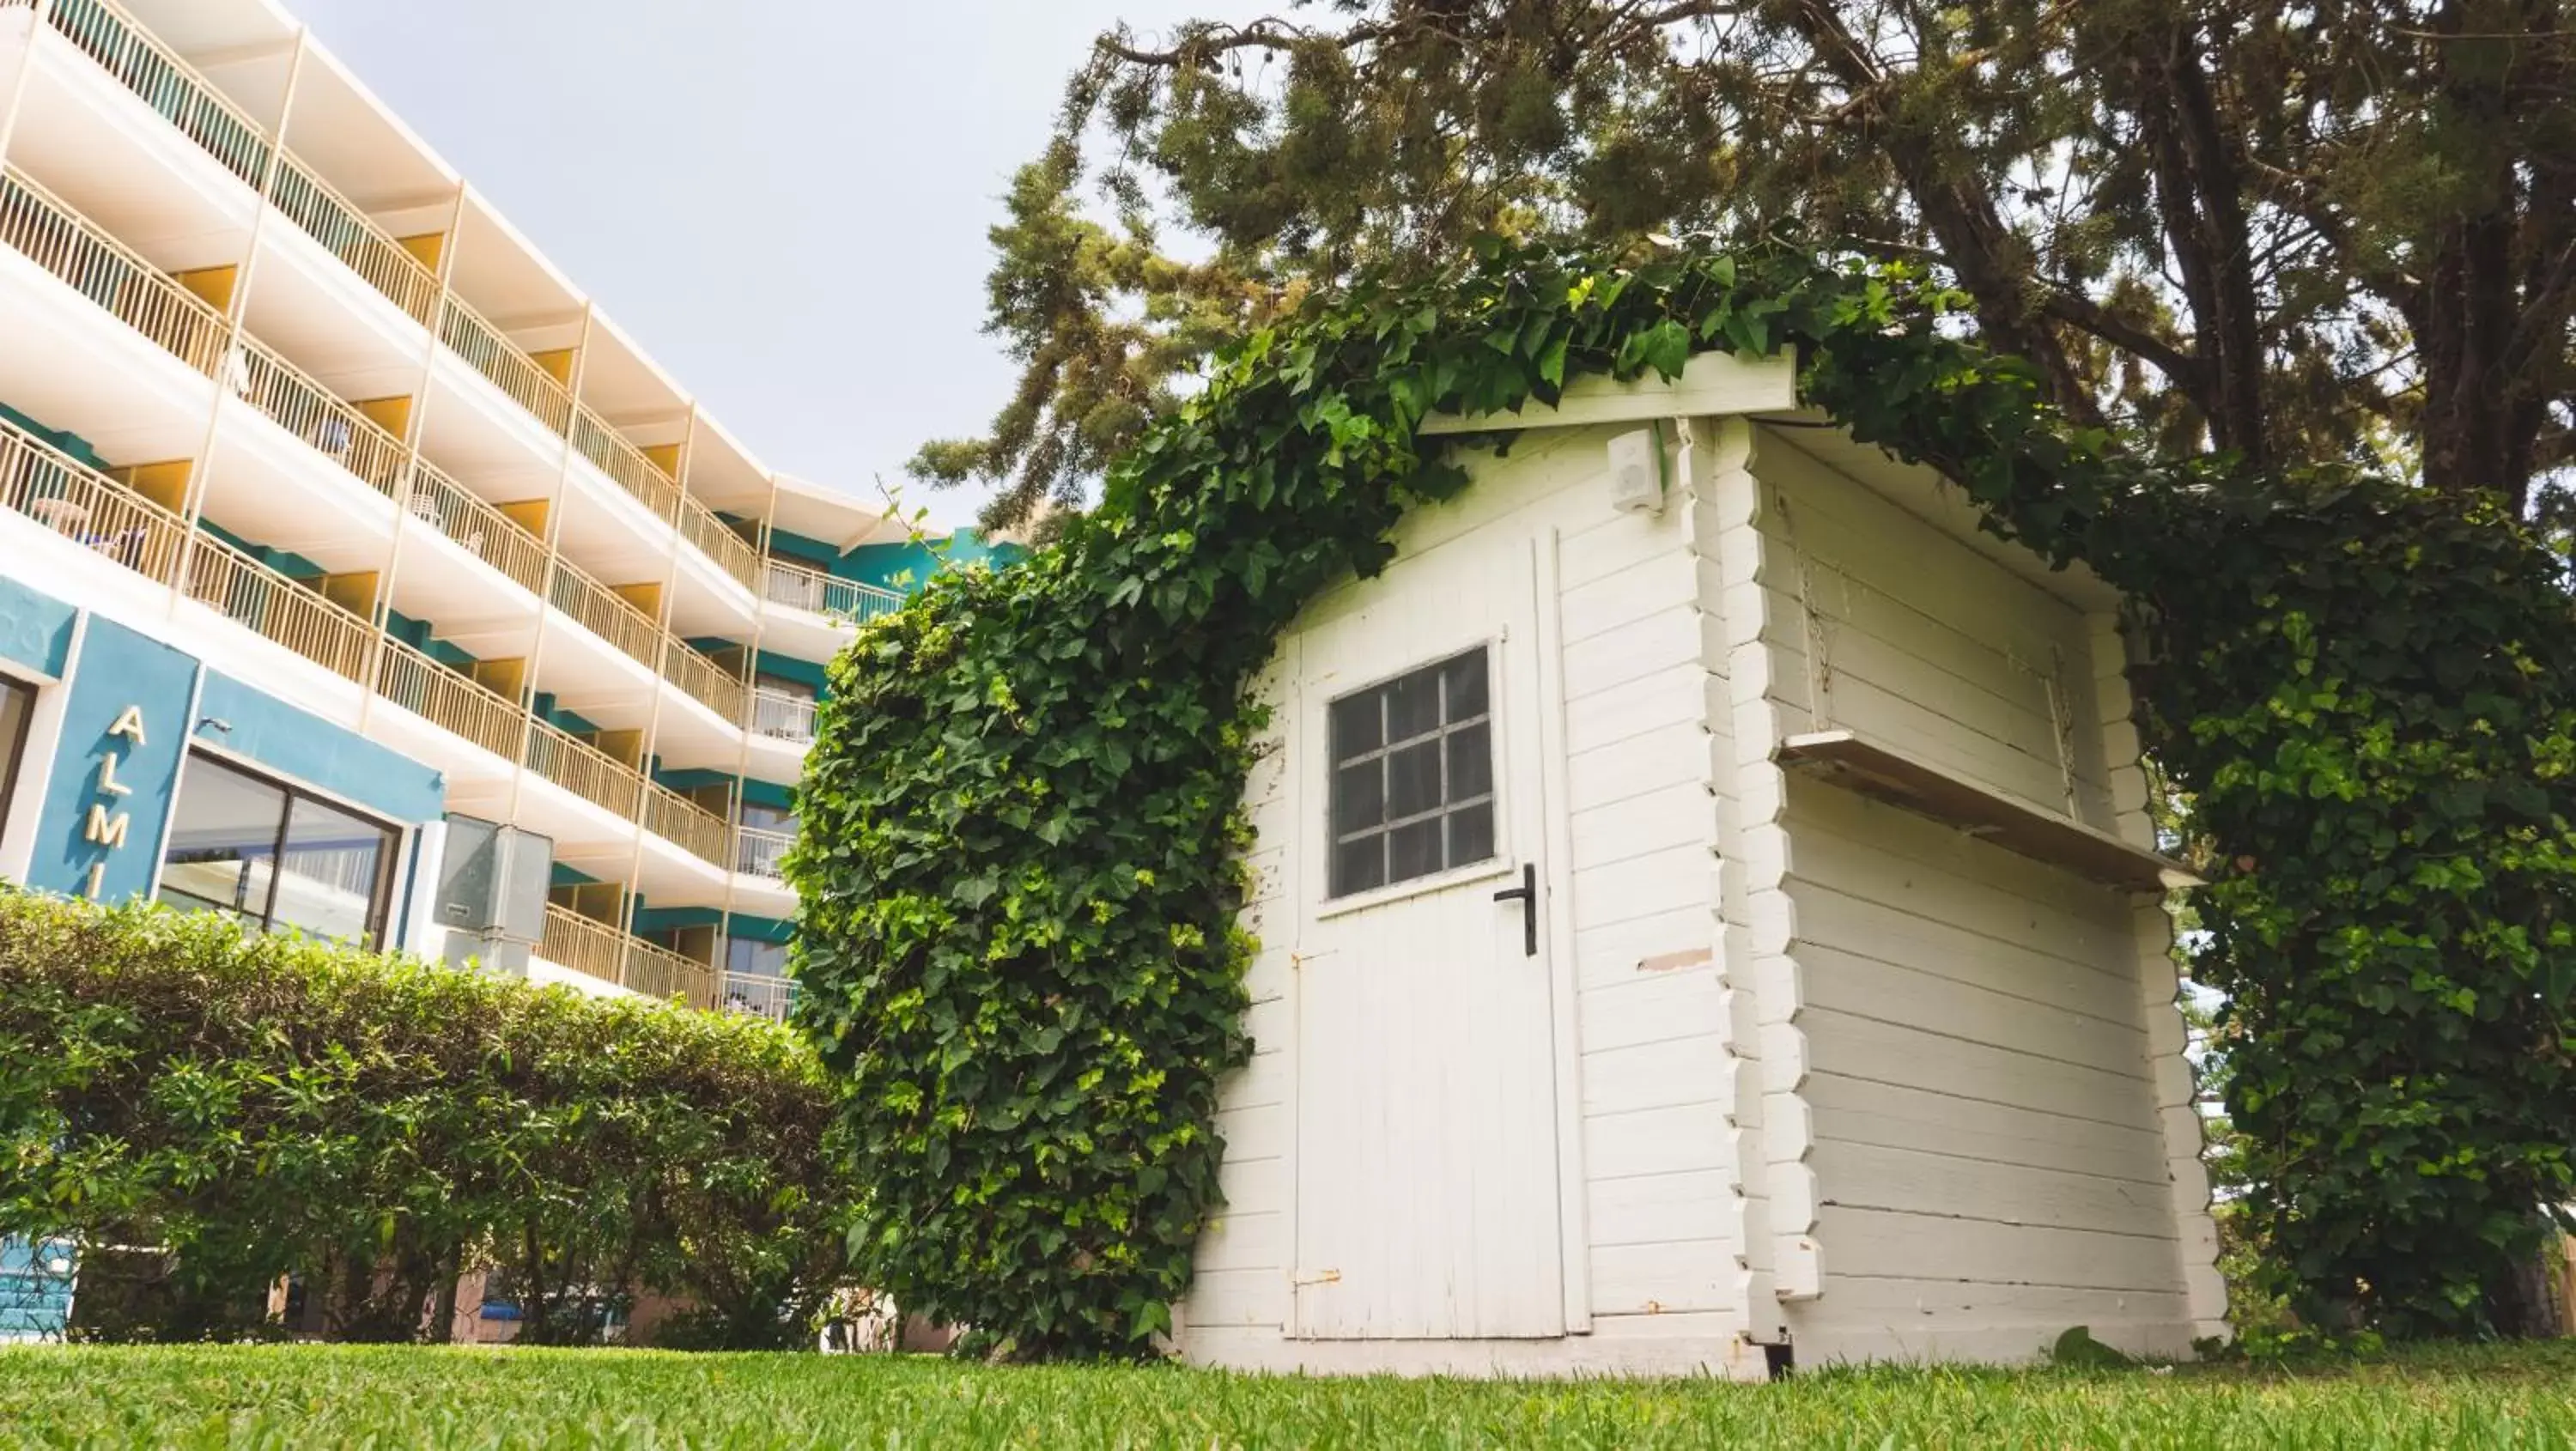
(250, 1106)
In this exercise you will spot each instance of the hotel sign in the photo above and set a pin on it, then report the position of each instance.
(109, 821)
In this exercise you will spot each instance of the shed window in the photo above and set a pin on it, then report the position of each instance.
(1413, 775)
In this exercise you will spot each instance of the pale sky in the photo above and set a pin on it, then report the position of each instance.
(783, 201)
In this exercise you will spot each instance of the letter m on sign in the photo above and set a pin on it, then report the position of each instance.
(108, 831)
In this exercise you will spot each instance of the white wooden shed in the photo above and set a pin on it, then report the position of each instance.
(1838, 1022)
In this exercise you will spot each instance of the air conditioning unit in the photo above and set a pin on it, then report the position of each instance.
(492, 892)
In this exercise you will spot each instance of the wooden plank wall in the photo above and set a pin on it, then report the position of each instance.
(1659, 1223)
(1969, 1119)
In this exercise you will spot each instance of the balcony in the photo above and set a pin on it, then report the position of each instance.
(595, 949)
(267, 603)
(508, 368)
(39, 483)
(684, 823)
(625, 464)
(706, 682)
(104, 270)
(757, 852)
(600, 610)
(830, 596)
(350, 235)
(313, 413)
(779, 716)
(759, 995)
(191, 331)
(127, 51)
(476, 527)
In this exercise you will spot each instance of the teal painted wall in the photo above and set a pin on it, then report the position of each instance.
(293, 566)
(765, 793)
(905, 567)
(320, 754)
(117, 667)
(803, 672)
(765, 929)
(35, 629)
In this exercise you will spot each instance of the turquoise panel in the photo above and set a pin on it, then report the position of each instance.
(116, 668)
(763, 929)
(906, 567)
(36, 1288)
(35, 629)
(664, 919)
(324, 756)
(788, 667)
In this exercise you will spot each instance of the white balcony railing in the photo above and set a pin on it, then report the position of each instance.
(758, 994)
(756, 851)
(815, 592)
(781, 716)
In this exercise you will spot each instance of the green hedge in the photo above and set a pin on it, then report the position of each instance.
(247, 1106)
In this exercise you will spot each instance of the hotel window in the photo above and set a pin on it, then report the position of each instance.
(276, 858)
(17, 703)
(751, 957)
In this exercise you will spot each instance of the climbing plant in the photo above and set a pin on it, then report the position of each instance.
(1018, 864)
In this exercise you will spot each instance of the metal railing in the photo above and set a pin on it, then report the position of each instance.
(732, 553)
(86, 507)
(104, 270)
(756, 852)
(39, 482)
(128, 51)
(780, 716)
(250, 593)
(352, 236)
(624, 463)
(704, 680)
(812, 590)
(313, 413)
(477, 528)
(658, 972)
(511, 370)
(595, 949)
(684, 823)
(447, 699)
(584, 770)
(166, 83)
(759, 995)
(604, 613)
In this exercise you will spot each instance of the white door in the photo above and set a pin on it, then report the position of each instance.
(1426, 1164)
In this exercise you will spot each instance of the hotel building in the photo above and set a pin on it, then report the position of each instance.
(358, 575)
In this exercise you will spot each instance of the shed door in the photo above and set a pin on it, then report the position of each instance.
(1426, 1167)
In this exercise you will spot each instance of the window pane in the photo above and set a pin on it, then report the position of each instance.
(1355, 725)
(223, 839)
(1465, 678)
(1359, 865)
(1413, 780)
(1413, 851)
(1359, 797)
(1471, 763)
(756, 958)
(332, 874)
(1413, 705)
(17, 702)
(1471, 834)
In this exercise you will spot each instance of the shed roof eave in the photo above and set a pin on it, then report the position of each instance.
(1712, 385)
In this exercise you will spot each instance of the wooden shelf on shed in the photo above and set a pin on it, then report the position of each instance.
(1846, 760)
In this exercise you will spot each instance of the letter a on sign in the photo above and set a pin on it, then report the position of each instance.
(129, 725)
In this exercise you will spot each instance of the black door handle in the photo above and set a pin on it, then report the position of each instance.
(1527, 895)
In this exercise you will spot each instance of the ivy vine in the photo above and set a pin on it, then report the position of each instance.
(1021, 820)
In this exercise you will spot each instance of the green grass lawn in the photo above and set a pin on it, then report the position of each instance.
(329, 1396)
